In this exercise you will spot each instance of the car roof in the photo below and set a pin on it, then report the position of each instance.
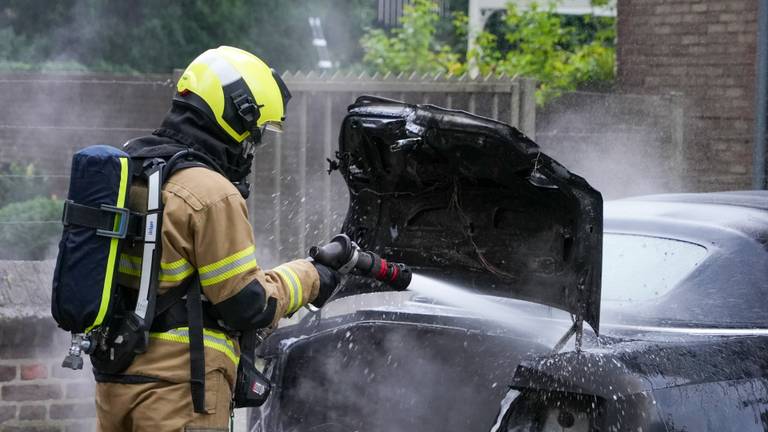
(733, 226)
(723, 213)
(755, 199)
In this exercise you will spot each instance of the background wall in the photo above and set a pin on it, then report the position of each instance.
(36, 394)
(623, 144)
(705, 50)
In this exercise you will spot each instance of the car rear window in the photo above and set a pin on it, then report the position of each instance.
(638, 268)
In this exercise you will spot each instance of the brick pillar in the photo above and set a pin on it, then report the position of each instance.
(704, 50)
(36, 393)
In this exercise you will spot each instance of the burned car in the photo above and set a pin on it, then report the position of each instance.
(503, 327)
(684, 329)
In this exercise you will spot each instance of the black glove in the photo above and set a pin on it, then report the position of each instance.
(329, 280)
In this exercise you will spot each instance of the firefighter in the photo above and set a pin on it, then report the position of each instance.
(225, 100)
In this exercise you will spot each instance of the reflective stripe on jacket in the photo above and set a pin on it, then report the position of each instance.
(206, 234)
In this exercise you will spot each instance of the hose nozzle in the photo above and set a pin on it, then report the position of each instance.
(343, 255)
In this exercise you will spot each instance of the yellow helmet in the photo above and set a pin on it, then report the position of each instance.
(235, 89)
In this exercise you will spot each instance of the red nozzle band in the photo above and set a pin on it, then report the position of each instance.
(382, 270)
(395, 272)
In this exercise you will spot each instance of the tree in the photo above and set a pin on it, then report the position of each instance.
(562, 53)
(158, 36)
(540, 44)
(412, 47)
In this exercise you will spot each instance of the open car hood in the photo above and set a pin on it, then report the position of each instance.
(473, 201)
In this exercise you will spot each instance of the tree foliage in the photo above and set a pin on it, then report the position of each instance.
(29, 229)
(562, 53)
(158, 36)
(20, 182)
(29, 215)
(412, 47)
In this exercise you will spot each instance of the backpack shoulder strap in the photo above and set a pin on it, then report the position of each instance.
(196, 346)
(156, 172)
(144, 312)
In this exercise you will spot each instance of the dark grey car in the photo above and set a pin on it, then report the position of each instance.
(507, 249)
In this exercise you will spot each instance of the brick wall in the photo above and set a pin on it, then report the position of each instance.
(36, 393)
(704, 49)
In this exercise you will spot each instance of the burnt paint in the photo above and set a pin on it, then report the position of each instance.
(390, 371)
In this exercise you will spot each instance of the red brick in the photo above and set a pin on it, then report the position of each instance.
(716, 28)
(715, 6)
(81, 427)
(30, 392)
(34, 371)
(740, 6)
(7, 373)
(699, 7)
(32, 428)
(32, 412)
(80, 390)
(731, 17)
(739, 27)
(72, 411)
(61, 372)
(7, 412)
(694, 18)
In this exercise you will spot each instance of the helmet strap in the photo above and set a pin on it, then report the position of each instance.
(248, 109)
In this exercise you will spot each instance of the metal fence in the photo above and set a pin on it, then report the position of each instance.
(44, 119)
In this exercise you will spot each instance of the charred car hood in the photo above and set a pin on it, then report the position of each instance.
(473, 201)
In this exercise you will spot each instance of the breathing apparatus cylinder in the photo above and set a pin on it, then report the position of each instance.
(344, 255)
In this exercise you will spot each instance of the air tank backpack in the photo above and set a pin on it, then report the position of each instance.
(86, 300)
(110, 323)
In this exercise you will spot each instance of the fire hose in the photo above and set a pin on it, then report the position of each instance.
(344, 255)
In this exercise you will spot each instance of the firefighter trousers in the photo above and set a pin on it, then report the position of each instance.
(162, 406)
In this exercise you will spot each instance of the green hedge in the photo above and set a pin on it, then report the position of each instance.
(30, 230)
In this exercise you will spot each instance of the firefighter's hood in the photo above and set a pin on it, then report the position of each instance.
(184, 127)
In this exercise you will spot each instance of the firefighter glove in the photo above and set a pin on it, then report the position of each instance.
(329, 280)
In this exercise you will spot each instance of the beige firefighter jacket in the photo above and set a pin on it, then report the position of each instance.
(206, 233)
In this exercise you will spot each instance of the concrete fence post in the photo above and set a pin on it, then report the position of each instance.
(527, 104)
(277, 178)
(302, 174)
(677, 130)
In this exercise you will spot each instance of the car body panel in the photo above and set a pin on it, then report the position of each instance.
(710, 383)
(691, 358)
(390, 369)
(697, 352)
(734, 236)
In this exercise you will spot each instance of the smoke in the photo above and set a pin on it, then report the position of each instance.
(446, 369)
(623, 145)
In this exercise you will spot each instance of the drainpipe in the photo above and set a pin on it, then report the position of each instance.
(761, 98)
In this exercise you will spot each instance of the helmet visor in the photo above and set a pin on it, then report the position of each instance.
(274, 126)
